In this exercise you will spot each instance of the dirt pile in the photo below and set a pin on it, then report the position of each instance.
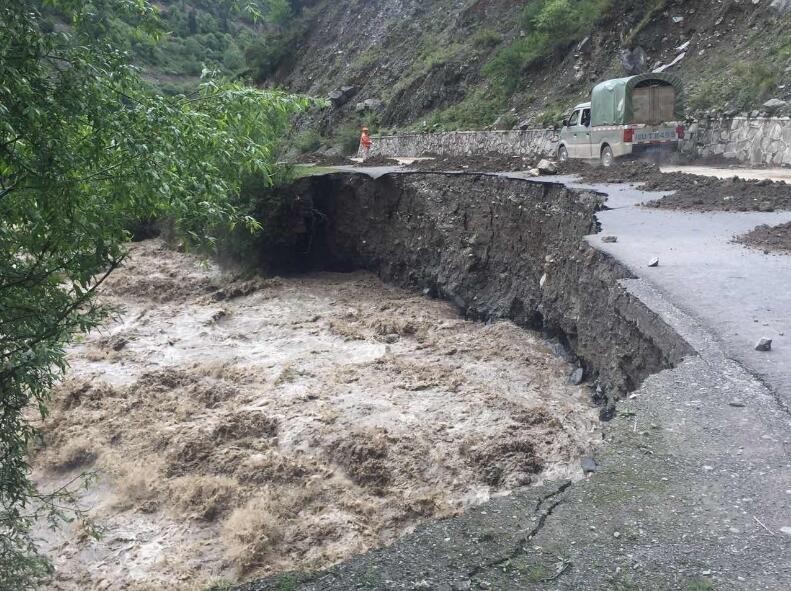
(379, 160)
(244, 427)
(692, 192)
(621, 172)
(769, 238)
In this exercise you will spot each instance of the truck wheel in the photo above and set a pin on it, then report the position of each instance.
(607, 157)
(563, 154)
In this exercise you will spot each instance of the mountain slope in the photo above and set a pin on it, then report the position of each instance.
(464, 63)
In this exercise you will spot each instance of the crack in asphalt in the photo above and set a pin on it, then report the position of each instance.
(519, 549)
(781, 403)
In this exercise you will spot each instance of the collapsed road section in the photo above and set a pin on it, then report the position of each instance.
(495, 247)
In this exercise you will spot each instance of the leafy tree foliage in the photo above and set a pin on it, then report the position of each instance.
(84, 150)
(206, 33)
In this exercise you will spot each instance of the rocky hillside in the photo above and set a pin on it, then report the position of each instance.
(448, 64)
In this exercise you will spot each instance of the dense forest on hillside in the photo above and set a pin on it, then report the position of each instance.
(204, 34)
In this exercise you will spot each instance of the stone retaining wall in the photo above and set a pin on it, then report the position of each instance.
(759, 140)
(537, 143)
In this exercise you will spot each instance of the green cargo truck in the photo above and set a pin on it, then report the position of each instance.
(626, 116)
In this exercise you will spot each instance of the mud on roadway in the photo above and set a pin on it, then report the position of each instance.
(242, 426)
(690, 191)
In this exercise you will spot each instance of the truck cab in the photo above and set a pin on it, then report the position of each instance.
(575, 137)
(626, 116)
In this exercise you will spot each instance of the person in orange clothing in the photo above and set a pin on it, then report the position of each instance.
(365, 142)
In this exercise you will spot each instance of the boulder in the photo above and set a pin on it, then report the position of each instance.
(547, 167)
(331, 152)
(337, 98)
(633, 61)
(588, 465)
(775, 104)
(341, 96)
(503, 123)
(369, 105)
(764, 345)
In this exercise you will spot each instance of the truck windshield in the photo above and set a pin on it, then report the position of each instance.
(574, 119)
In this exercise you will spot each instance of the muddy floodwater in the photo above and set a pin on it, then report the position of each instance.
(243, 426)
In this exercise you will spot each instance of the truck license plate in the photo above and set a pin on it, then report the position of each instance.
(656, 135)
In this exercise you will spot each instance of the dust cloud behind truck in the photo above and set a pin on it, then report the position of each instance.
(626, 116)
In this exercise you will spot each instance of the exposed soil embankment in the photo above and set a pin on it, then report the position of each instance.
(495, 247)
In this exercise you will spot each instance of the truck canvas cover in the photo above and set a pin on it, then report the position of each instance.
(612, 101)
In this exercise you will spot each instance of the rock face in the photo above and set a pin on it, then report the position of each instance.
(413, 230)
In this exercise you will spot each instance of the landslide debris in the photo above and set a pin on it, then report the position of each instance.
(699, 193)
(769, 238)
(690, 191)
(253, 426)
